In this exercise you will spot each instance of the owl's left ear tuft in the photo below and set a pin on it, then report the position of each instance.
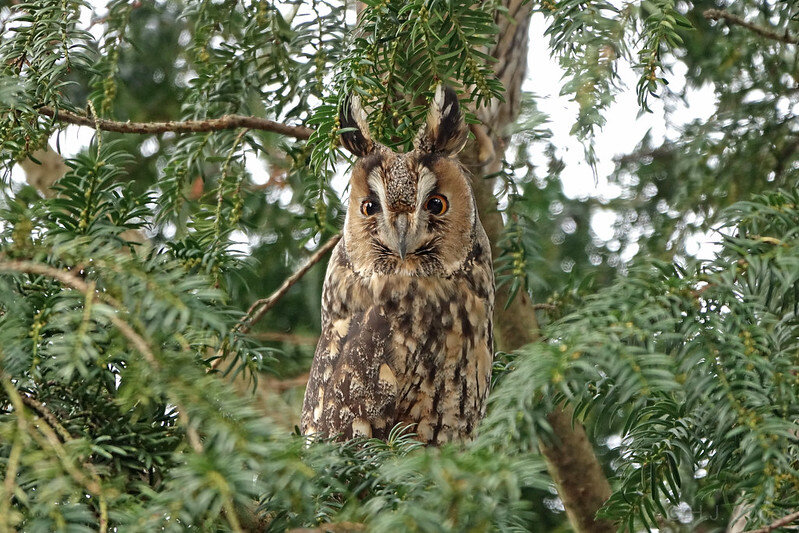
(445, 132)
(352, 119)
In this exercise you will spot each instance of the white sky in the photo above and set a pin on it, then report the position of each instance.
(624, 129)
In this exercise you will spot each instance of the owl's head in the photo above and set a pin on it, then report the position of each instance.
(409, 213)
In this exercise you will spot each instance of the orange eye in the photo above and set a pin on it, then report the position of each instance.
(437, 204)
(369, 207)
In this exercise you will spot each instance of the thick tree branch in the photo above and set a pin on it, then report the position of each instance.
(258, 309)
(784, 521)
(227, 122)
(768, 33)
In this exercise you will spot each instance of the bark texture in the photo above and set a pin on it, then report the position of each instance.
(581, 484)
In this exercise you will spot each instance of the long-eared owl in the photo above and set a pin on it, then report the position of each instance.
(409, 291)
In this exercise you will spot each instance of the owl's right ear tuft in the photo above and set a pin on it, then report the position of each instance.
(355, 135)
(445, 132)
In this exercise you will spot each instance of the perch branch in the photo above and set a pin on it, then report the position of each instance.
(226, 122)
(768, 33)
(260, 307)
(784, 521)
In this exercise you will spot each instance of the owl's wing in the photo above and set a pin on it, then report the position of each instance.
(351, 389)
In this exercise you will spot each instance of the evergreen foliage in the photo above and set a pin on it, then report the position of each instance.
(127, 378)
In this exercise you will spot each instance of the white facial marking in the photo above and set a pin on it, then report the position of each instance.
(427, 182)
(377, 187)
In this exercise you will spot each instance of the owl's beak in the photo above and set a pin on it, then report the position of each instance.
(401, 225)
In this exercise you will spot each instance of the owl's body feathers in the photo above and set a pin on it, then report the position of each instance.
(408, 295)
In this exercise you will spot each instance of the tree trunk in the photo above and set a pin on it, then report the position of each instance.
(581, 484)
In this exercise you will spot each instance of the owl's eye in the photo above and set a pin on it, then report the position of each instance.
(437, 204)
(370, 207)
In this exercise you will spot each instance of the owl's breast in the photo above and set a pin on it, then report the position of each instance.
(441, 353)
(402, 349)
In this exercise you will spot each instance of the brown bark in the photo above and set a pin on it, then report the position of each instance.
(581, 484)
(227, 122)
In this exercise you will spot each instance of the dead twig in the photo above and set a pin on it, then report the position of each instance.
(289, 338)
(258, 309)
(768, 33)
(227, 122)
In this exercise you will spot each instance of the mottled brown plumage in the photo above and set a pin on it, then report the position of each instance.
(408, 295)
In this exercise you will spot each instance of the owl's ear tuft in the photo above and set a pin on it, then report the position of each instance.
(355, 135)
(445, 132)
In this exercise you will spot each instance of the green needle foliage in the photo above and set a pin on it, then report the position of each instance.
(694, 366)
(131, 397)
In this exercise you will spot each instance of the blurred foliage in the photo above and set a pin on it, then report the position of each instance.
(120, 294)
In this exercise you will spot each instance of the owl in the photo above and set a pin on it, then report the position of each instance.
(409, 291)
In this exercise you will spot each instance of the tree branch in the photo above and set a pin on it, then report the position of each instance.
(784, 521)
(768, 33)
(260, 307)
(227, 122)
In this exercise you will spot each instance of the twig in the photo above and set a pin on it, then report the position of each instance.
(227, 122)
(784, 521)
(93, 483)
(127, 331)
(664, 150)
(546, 307)
(290, 338)
(10, 481)
(48, 438)
(260, 307)
(339, 527)
(48, 416)
(768, 33)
